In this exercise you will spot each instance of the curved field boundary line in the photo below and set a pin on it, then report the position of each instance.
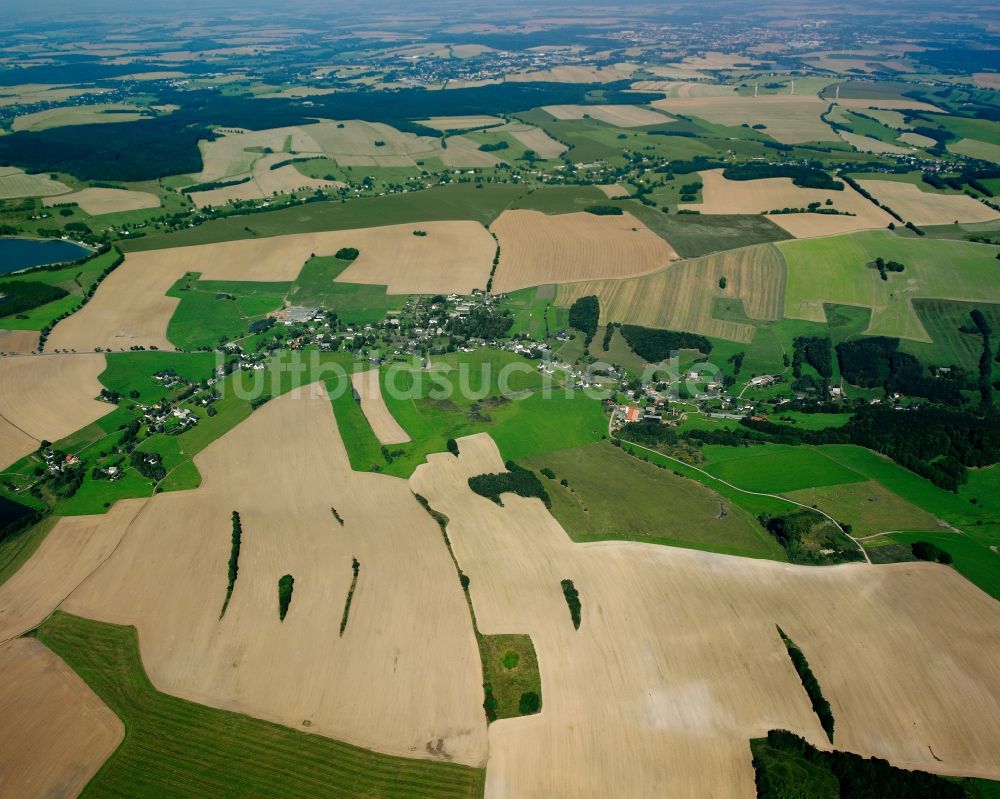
(613, 437)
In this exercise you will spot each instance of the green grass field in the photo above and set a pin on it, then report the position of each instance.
(868, 507)
(510, 668)
(694, 235)
(532, 308)
(525, 424)
(614, 496)
(461, 201)
(775, 468)
(958, 509)
(833, 270)
(177, 748)
(211, 310)
(942, 320)
(353, 302)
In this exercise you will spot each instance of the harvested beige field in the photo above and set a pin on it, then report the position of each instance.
(405, 676)
(620, 116)
(717, 61)
(927, 208)
(790, 119)
(131, 306)
(867, 144)
(77, 115)
(14, 443)
(369, 387)
(56, 732)
(683, 295)
(18, 342)
(613, 190)
(107, 201)
(48, 397)
(461, 123)
(642, 695)
(71, 551)
(915, 138)
(233, 154)
(41, 93)
(534, 139)
(722, 196)
(16, 183)
(452, 257)
(264, 182)
(536, 249)
(988, 80)
(352, 143)
(974, 148)
(673, 88)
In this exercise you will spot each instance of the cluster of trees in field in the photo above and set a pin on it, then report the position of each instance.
(347, 254)
(214, 184)
(585, 315)
(234, 560)
(885, 266)
(482, 322)
(494, 147)
(654, 344)
(875, 361)
(808, 176)
(982, 327)
(516, 480)
(815, 351)
(149, 465)
(609, 332)
(17, 296)
(356, 569)
(925, 550)
(572, 601)
(821, 707)
(781, 760)
(286, 583)
(604, 210)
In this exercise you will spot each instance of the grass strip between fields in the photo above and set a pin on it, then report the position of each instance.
(512, 684)
(821, 707)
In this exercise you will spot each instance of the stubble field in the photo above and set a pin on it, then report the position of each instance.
(369, 387)
(682, 296)
(641, 696)
(403, 678)
(928, 208)
(56, 732)
(47, 398)
(722, 196)
(536, 249)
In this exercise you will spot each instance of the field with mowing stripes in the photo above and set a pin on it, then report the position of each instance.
(682, 296)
